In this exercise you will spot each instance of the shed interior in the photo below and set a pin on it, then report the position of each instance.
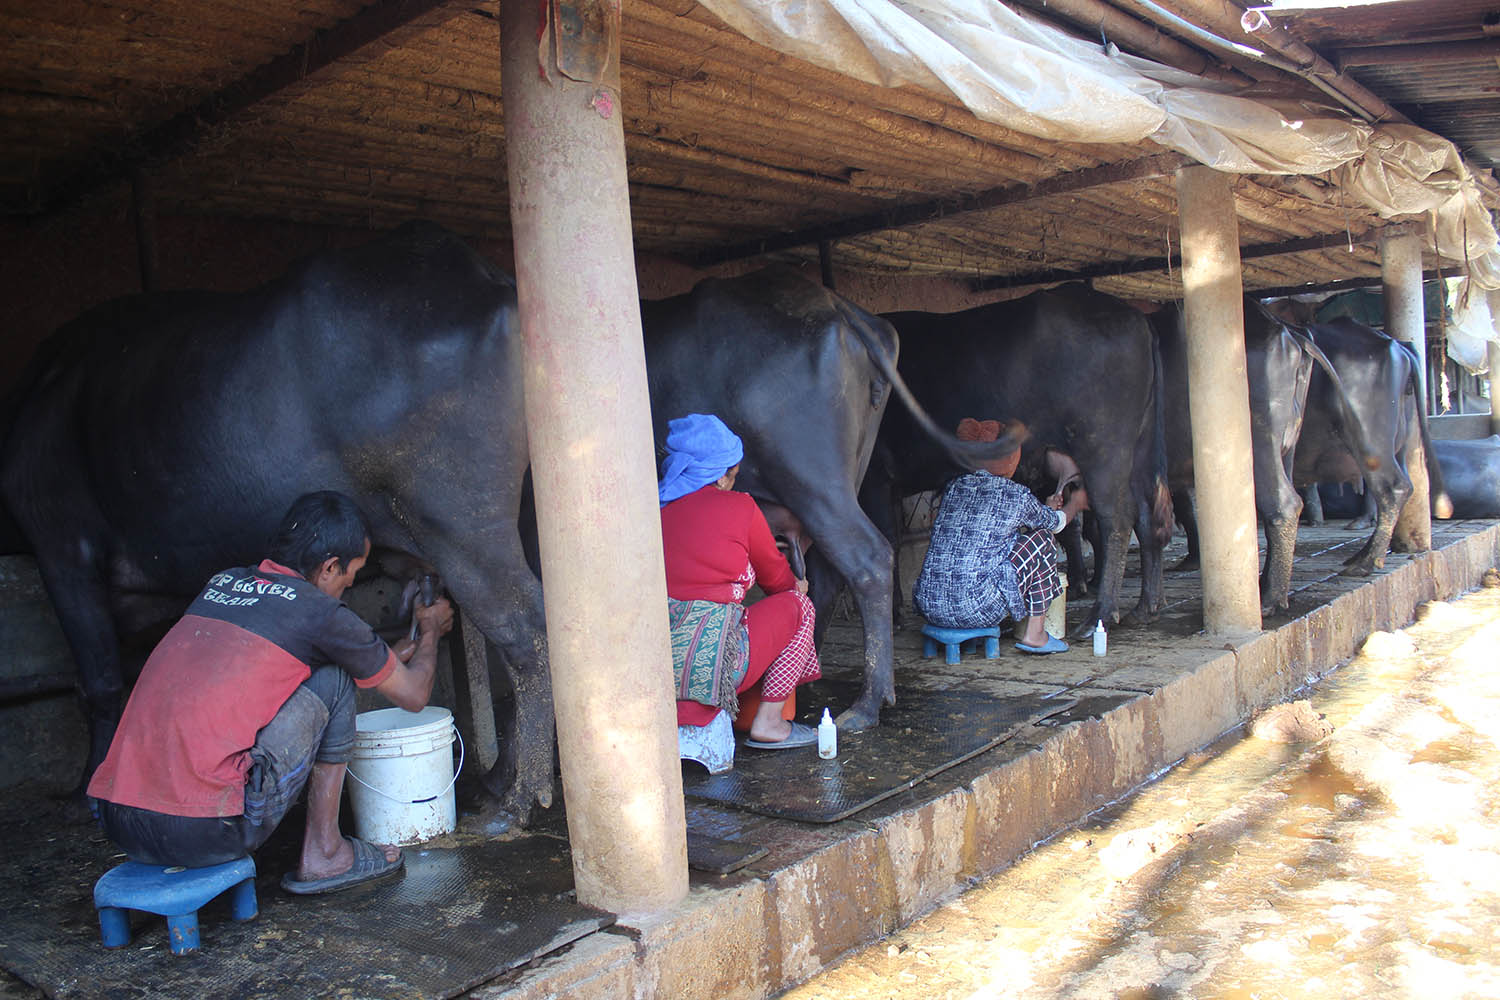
(248, 132)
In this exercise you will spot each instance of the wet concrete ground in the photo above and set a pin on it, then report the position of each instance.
(1366, 864)
(1140, 661)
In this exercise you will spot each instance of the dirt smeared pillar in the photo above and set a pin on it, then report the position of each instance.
(1219, 400)
(1492, 350)
(593, 464)
(1401, 282)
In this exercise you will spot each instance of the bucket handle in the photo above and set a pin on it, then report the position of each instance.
(416, 802)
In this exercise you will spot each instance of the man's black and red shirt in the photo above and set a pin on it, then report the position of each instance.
(222, 672)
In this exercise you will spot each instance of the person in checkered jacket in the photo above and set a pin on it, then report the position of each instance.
(992, 554)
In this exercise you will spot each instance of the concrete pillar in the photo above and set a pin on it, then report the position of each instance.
(1219, 400)
(593, 464)
(1493, 351)
(1401, 281)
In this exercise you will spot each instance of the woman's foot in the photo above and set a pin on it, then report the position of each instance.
(797, 735)
(1049, 644)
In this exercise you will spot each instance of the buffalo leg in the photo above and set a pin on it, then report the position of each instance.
(823, 588)
(1276, 578)
(1153, 587)
(1280, 510)
(1090, 531)
(1182, 506)
(861, 555)
(81, 602)
(1389, 499)
(1116, 534)
(1312, 505)
(1071, 539)
(1371, 514)
(491, 582)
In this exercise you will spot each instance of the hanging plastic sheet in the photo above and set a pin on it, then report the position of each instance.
(1012, 69)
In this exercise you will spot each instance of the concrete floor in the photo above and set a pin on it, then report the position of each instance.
(1162, 692)
(1350, 850)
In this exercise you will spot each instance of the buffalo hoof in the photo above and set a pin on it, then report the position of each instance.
(1084, 632)
(863, 714)
(493, 818)
(1136, 618)
(1357, 569)
(1189, 564)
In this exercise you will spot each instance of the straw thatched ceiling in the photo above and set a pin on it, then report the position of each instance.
(333, 112)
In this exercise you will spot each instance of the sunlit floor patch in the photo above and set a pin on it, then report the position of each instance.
(1367, 865)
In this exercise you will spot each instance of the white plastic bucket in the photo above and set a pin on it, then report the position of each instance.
(403, 775)
(1056, 619)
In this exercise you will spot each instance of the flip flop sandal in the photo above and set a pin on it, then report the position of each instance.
(801, 736)
(1052, 645)
(369, 864)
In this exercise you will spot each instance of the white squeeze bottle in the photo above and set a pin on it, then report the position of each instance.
(1101, 641)
(828, 737)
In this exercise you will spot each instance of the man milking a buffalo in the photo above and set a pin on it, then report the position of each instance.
(250, 697)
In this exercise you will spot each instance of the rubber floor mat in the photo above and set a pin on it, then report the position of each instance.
(457, 917)
(923, 734)
(719, 856)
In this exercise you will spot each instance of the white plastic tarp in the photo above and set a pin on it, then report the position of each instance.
(1473, 326)
(1009, 68)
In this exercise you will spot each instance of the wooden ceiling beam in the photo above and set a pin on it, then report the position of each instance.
(1425, 54)
(1145, 264)
(386, 21)
(942, 208)
(1431, 274)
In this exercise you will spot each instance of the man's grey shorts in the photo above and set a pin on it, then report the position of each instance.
(315, 724)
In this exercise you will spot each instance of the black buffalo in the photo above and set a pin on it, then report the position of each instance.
(160, 438)
(1471, 475)
(1370, 431)
(1078, 367)
(1279, 363)
(1331, 402)
(803, 376)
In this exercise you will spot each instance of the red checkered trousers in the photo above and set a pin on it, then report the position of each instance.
(1035, 560)
(788, 618)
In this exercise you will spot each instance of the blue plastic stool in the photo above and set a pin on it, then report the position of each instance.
(175, 893)
(954, 638)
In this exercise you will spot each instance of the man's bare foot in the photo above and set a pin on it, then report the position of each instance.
(317, 864)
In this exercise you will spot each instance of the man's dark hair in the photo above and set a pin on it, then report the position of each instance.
(317, 526)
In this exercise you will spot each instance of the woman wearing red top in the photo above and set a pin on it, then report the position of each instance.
(717, 546)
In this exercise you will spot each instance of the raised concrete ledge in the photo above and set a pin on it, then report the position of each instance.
(843, 886)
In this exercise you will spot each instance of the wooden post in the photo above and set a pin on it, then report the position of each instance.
(1401, 281)
(593, 465)
(1219, 400)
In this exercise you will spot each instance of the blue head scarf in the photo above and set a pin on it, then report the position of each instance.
(700, 449)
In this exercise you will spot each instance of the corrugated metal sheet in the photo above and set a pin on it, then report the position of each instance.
(1458, 100)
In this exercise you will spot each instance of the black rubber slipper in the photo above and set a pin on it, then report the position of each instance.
(801, 736)
(369, 864)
